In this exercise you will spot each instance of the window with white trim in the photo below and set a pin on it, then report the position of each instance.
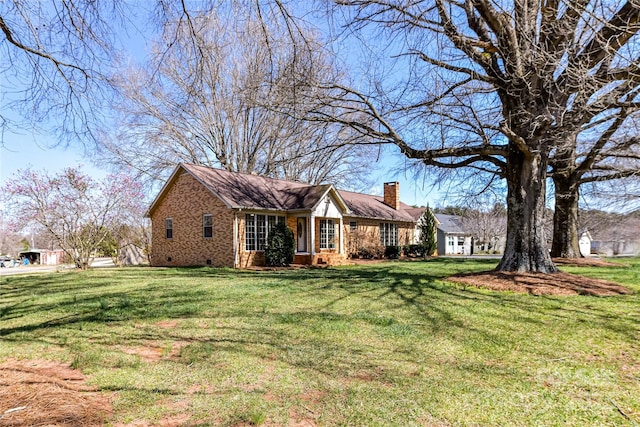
(250, 237)
(168, 228)
(389, 234)
(353, 226)
(261, 224)
(327, 234)
(207, 226)
(257, 228)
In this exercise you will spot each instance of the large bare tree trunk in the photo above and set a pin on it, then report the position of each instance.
(526, 246)
(565, 219)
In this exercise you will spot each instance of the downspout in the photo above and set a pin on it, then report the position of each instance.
(235, 239)
(312, 238)
(340, 249)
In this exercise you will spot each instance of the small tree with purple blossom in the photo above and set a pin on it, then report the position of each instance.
(78, 212)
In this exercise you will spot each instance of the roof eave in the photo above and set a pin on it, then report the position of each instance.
(260, 208)
(379, 218)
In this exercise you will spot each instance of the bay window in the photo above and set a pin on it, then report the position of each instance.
(257, 228)
(327, 234)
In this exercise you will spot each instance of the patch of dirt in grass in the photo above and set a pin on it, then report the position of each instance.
(154, 353)
(178, 417)
(313, 397)
(167, 324)
(540, 284)
(304, 415)
(293, 422)
(629, 366)
(45, 393)
(169, 421)
(301, 420)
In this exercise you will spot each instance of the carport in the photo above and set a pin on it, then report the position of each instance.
(42, 256)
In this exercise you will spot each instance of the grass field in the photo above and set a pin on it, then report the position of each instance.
(370, 345)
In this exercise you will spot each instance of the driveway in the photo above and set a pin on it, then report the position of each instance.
(31, 269)
(28, 269)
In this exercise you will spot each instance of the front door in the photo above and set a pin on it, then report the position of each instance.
(301, 235)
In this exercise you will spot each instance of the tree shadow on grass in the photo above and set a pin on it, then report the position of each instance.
(439, 302)
(392, 298)
(418, 287)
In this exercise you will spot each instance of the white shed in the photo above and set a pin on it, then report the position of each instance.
(585, 243)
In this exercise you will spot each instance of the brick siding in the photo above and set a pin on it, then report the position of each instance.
(185, 202)
(368, 233)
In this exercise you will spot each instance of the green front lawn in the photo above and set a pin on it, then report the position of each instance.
(381, 344)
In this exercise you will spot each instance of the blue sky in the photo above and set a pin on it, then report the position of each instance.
(31, 149)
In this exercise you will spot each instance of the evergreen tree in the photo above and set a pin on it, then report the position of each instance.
(280, 247)
(427, 229)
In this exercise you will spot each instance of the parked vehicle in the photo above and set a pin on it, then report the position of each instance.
(6, 261)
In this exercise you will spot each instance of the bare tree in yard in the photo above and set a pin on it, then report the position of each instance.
(211, 98)
(56, 58)
(77, 212)
(487, 224)
(9, 239)
(505, 88)
(613, 233)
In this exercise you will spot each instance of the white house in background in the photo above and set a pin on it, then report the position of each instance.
(452, 237)
(615, 247)
(585, 243)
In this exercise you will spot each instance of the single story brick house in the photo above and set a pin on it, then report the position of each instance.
(207, 216)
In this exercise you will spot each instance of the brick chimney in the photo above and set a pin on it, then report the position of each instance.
(392, 194)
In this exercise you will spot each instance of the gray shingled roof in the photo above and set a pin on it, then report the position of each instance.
(244, 191)
(368, 206)
(416, 213)
(451, 224)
